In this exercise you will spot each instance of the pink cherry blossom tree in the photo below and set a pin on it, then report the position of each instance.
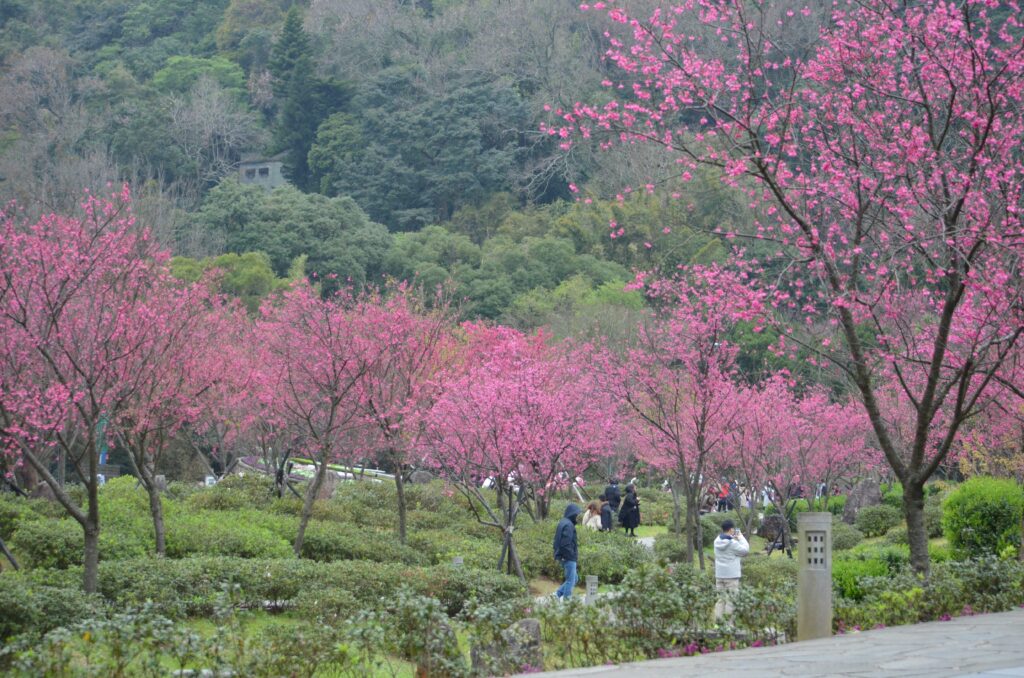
(677, 382)
(314, 356)
(522, 413)
(884, 161)
(792, 443)
(175, 366)
(416, 343)
(75, 322)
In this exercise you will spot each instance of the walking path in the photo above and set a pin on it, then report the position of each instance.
(989, 646)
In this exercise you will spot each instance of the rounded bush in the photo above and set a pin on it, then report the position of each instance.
(50, 544)
(222, 533)
(845, 536)
(874, 521)
(771, 572)
(28, 607)
(847, 575)
(983, 516)
(13, 511)
(892, 494)
(897, 535)
(327, 542)
(235, 491)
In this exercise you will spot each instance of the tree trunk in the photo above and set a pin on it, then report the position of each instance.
(400, 487)
(698, 531)
(90, 575)
(917, 534)
(677, 525)
(514, 557)
(9, 555)
(156, 508)
(691, 530)
(307, 506)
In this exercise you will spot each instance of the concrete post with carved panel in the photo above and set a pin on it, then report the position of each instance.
(814, 591)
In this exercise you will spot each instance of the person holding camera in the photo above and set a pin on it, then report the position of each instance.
(730, 547)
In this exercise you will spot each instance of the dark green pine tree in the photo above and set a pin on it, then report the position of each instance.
(291, 65)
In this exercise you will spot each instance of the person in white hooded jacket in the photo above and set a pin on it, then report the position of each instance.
(730, 547)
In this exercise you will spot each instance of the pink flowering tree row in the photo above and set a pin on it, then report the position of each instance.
(522, 413)
(89, 322)
(883, 161)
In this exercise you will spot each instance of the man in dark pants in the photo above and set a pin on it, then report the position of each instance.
(567, 550)
(613, 495)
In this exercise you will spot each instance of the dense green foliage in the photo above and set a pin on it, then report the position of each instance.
(984, 516)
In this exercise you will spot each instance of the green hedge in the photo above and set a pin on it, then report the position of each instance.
(845, 536)
(27, 606)
(222, 533)
(874, 521)
(983, 516)
(59, 544)
(328, 541)
(190, 587)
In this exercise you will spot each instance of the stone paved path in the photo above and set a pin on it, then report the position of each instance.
(989, 646)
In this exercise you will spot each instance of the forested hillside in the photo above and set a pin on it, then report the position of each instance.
(410, 132)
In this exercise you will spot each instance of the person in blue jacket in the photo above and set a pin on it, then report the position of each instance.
(567, 550)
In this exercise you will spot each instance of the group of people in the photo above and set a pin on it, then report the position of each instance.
(730, 545)
(600, 513)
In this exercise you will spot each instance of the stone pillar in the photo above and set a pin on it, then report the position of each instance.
(814, 592)
(591, 589)
(457, 561)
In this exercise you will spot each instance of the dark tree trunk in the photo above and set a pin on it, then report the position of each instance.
(307, 506)
(8, 554)
(677, 524)
(400, 487)
(691, 529)
(917, 534)
(156, 508)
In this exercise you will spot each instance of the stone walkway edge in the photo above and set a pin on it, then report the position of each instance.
(985, 645)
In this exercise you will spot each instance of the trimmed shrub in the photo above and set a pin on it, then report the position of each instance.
(769, 571)
(51, 544)
(327, 542)
(983, 516)
(892, 494)
(236, 491)
(13, 511)
(847, 576)
(845, 536)
(222, 533)
(933, 515)
(192, 586)
(29, 607)
(897, 535)
(874, 521)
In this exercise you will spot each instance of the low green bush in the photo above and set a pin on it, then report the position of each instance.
(59, 544)
(222, 533)
(326, 542)
(847, 576)
(29, 607)
(235, 491)
(769, 572)
(845, 536)
(13, 511)
(933, 515)
(983, 516)
(190, 587)
(892, 495)
(897, 535)
(874, 521)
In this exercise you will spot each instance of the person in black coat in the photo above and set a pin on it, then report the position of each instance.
(611, 493)
(567, 550)
(629, 514)
(607, 516)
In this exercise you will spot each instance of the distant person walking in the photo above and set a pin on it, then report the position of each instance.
(730, 547)
(612, 494)
(629, 514)
(567, 550)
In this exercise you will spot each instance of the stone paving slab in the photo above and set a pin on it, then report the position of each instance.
(981, 646)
